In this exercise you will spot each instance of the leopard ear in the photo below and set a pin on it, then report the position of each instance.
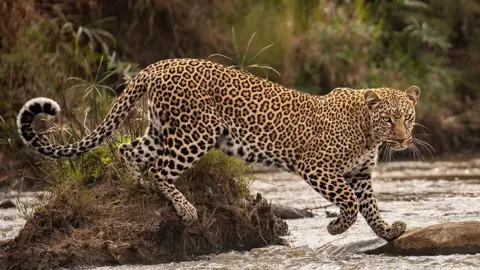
(413, 93)
(371, 98)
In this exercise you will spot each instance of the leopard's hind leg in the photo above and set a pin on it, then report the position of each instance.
(184, 145)
(142, 153)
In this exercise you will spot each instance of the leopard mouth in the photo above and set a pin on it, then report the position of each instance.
(398, 146)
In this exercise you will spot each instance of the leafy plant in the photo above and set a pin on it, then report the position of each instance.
(241, 61)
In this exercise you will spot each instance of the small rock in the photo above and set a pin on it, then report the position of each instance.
(7, 204)
(330, 214)
(441, 239)
(287, 212)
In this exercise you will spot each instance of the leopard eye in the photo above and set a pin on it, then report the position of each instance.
(386, 119)
(408, 117)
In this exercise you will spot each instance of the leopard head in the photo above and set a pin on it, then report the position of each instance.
(392, 115)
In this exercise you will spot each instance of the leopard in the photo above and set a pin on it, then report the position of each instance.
(195, 105)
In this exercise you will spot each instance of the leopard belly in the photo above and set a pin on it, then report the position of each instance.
(252, 150)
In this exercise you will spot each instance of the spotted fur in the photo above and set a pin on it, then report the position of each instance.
(195, 105)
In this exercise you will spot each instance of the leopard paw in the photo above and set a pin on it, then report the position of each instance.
(336, 227)
(394, 231)
(186, 212)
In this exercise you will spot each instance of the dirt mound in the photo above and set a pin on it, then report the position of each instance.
(107, 221)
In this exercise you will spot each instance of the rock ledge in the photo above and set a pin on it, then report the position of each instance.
(441, 239)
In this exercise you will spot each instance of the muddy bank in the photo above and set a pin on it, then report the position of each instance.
(109, 222)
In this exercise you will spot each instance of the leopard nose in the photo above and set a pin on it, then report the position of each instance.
(404, 140)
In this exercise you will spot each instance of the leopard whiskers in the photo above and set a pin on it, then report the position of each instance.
(386, 151)
(424, 145)
(417, 154)
(380, 150)
(391, 154)
(411, 152)
(420, 125)
(383, 152)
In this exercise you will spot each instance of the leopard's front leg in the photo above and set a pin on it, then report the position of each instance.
(333, 187)
(362, 186)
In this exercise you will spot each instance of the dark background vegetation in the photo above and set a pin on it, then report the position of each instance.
(318, 45)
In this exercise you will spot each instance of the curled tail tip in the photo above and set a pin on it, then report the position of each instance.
(42, 104)
(33, 107)
(38, 105)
